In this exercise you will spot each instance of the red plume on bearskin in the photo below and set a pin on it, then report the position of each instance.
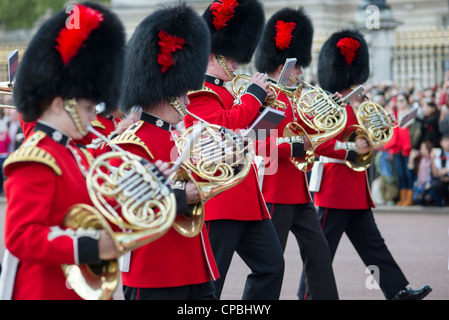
(84, 62)
(284, 34)
(343, 61)
(168, 53)
(349, 48)
(287, 34)
(168, 44)
(71, 40)
(235, 27)
(223, 12)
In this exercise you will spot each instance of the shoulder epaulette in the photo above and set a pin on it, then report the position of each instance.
(30, 152)
(129, 136)
(205, 90)
(98, 124)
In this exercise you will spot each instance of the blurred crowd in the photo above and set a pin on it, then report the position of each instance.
(11, 134)
(412, 168)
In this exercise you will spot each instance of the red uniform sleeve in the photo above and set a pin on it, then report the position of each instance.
(209, 108)
(337, 149)
(31, 231)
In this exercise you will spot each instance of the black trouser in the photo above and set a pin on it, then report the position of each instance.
(257, 244)
(202, 291)
(302, 221)
(364, 235)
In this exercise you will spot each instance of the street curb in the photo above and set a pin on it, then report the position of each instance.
(411, 209)
(383, 208)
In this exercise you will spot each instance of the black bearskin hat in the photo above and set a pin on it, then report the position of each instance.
(288, 34)
(75, 54)
(166, 56)
(236, 27)
(343, 61)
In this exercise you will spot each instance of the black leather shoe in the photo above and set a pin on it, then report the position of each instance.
(410, 294)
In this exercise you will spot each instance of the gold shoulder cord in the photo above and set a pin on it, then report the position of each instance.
(88, 155)
(129, 136)
(205, 89)
(30, 152)
(98, 124)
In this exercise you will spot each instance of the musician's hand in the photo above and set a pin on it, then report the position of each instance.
(363, 146)
(192, 193)
(123, 125)
(270, 96)
(307, 144)
(163, 167)
(337, 96)
(106, 248)
(261, 80)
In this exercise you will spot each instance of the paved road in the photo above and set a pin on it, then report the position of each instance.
(418, 239)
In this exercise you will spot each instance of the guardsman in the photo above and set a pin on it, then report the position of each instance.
(166, 56)
(63, 75)
(343, 64)
(288, 34)
(238, 219)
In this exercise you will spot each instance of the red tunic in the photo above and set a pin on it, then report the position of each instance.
(216, 105)
(38, 198)
(283, 182)
(172, 260)
(342, 187)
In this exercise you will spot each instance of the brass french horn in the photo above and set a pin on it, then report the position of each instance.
(317, 110)
(374, 125)
(218, 160)
(321, 113)
(291, 92)
(134, 198)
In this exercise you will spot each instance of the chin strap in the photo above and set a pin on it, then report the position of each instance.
(175, 103)
(222, 61)
(71, 106)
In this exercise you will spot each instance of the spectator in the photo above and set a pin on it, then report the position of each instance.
(443, 123)
(422, 162)
(441, 184)
(14, 130)
(399, 148)
(4, 143)
(429, 123)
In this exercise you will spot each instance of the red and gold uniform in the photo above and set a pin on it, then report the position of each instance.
(41, 177)
(215, 104)
(63, 74)
(335, 171)
(286, 183)
(173, 260)
(285, 189)
(344, 201)
(238, 217)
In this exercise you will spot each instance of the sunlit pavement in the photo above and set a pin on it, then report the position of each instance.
(416, 236)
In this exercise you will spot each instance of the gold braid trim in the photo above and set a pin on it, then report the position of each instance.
(207, 91)
(30, 152)
(129, 136)
(98, 124)
(88, 155)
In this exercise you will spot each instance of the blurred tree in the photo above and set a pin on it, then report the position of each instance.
(22, 14)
